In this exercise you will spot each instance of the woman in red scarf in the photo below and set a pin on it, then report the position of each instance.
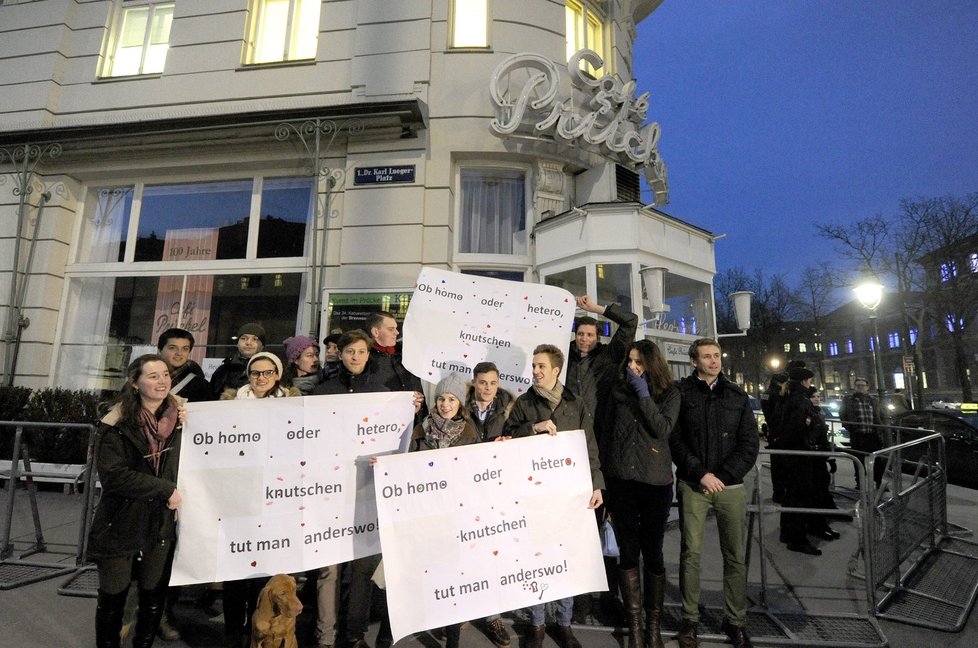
(134, 530)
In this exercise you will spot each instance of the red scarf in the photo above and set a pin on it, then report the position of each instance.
(385, 349)
(158, 432)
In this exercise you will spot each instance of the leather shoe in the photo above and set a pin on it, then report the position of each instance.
(805, 548)
(826, 534)
(737, 634)
(686, 637)
(567, 638)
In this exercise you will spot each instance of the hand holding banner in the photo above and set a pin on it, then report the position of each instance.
(480, 529)
(456, 321)
(283, 484)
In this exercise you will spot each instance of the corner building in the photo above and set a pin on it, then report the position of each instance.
(296, 163)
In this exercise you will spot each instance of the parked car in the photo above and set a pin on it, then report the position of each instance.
(960, 432)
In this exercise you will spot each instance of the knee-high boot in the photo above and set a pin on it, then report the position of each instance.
(631, 593)
(655, 585)
(108, 618)
(151, 604)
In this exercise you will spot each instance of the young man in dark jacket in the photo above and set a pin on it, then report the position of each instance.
(588, 360)
(175, 345)
(547, 408)
(714, 446)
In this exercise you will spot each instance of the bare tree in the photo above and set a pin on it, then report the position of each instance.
(911, 249)
(773, 304)
(814, 299)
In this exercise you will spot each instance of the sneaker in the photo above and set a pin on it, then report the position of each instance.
(498, 633)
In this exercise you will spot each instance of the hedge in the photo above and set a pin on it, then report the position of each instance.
(56, 405)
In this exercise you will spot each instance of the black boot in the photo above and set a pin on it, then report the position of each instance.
(537, 634)
(631, 594)
(452, 634)
(655, 586)
(108, 619)
(151, 604)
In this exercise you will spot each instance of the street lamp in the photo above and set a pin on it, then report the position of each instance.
(869, 292)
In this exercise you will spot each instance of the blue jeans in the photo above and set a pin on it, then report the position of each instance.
(565, 611)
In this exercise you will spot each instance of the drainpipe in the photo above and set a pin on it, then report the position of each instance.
(23, 322)
(12, 330)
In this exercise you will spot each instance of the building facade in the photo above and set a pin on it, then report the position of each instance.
(296, 163)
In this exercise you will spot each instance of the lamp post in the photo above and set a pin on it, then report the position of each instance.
(869, 292)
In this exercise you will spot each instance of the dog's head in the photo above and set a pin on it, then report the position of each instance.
(280, 594)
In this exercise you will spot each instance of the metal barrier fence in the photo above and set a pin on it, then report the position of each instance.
(917, 572)
(16, 572)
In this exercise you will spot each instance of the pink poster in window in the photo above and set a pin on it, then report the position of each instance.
(191, 244)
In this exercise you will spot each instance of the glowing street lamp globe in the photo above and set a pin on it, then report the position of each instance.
(869, 292)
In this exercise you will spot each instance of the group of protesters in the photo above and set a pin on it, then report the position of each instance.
(648, 437)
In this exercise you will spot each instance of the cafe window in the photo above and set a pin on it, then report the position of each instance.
(198, 221)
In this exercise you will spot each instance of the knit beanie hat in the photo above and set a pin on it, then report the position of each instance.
(453, 384)
(266, 356)
(251, 328)
(295, 345)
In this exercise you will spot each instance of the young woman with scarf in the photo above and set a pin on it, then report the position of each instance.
(133, 533)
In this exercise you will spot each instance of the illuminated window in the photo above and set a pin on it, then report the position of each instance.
(949, 271)
(802, 347)
(787, 348)
(470, 23)
(893, 339)
(585, 30)
(283, 30)
(138, 39)
(973, 262)
(849, 347)
(833, 349)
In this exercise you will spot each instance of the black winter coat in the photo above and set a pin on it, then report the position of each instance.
(583, 373)
(635, 444)
(495, 423)
(716, 432)
(230, 375)
(197, 389)
(132, 515)
(345, 382)
(571, 414)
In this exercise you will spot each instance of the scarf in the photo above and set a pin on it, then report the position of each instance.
(440, 432)
(245, 392)
(305, 384)
(157, 432)
(552, 396)
(385, 349)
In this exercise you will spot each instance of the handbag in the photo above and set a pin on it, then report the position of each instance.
(609, 543)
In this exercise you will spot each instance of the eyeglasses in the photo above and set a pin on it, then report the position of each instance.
(267, 373)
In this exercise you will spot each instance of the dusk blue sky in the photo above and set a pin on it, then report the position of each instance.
(777, 114)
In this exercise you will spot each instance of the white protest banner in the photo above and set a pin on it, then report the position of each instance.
(455, 321)
(481, 529)
(282, 484)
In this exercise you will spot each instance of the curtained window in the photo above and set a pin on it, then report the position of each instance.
(493, 211)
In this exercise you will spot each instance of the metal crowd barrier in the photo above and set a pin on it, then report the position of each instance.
(16, 572)
(918, 572)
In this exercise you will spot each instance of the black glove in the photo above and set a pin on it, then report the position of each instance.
(832, 466)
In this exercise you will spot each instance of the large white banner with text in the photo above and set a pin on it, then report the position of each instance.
(455, 321)
(282, 484)
(480, 529)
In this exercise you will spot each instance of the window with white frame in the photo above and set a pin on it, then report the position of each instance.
(282, 30)
(492, 211)
(137, 39)
(470, 23)
(893, 340)
(585, 26)
(206, 256)
(802, 347)
(833, 348)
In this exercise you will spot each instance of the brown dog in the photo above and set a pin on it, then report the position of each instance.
(273, 623)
